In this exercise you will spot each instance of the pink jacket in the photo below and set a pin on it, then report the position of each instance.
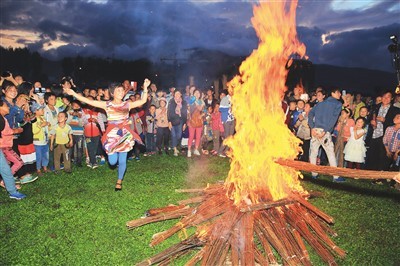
(216, 121)
(7, 135)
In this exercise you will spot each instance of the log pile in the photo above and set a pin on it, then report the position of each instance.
(264, 233)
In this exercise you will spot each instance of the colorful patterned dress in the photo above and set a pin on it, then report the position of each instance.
(119, 136)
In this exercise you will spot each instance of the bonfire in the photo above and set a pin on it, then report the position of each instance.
(261, 213)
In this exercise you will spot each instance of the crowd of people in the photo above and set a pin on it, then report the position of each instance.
(61, 127)
(346, 130)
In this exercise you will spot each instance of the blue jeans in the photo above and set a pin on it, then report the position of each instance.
(176, 135)
(5, 172)
(42, 156)
(150, 142)
(120, 158)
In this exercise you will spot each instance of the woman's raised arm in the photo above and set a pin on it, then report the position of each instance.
(143, 100)
(98, 104)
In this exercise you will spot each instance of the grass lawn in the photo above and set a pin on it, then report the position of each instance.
(78, 219)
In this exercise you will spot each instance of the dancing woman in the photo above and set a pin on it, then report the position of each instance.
(119, 137)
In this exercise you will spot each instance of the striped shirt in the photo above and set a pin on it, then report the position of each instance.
(391, 139)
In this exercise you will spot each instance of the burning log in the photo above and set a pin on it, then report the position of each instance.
(346, 172)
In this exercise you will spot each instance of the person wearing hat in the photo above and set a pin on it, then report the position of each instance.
(40, 138)
(162, 136)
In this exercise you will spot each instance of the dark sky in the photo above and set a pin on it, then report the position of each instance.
(353, 33)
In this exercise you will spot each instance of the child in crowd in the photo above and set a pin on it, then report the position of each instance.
(207, 133)
(355, 150)
(151, 126)
(76, 121)
(93, 129)
(61, 141)
(50, 115)
(162, 126)
(40, 138)
(217, 128)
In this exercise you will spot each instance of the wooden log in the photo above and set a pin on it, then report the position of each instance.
(247, 234)
(266, 205)
(192, 200)
(345, 172)
(267, 248)
(212, 207)
(314, 209)
(301, 226)
(178, 249)
(260, 258)
(157, 218)
(190, 190)
(196, 258)
(156, 211)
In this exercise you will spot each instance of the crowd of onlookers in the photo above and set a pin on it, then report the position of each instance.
(346, 130)
(43, 129)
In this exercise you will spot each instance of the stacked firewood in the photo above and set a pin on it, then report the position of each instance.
(264, 233)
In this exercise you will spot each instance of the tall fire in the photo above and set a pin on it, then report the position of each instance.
(260, 215)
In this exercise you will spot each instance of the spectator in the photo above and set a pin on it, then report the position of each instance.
(382, 118)
(151, 130)
(50, 115)
(217, 128)
(322, 119)
(358, 103)
(228, 120)
(210, 100)
(40, 138)
(93, 129)
(207, 136)
(76, 120)
(342, 132)
(61, 141)
(195, 122)
(177, 117)
(6, 141)
(163, 131)
(303, 132)
(391, 141)
(355, 150)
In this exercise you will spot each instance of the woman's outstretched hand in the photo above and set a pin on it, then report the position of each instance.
(69, 91)
(146, 83)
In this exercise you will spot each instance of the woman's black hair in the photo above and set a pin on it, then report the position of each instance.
(25, 88)
(113, 86)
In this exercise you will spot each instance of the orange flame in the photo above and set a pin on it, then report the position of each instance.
(261, 135)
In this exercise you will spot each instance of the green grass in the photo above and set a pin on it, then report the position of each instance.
(78, 219)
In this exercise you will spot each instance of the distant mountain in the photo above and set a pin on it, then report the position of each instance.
(362, 80)
(207, 65)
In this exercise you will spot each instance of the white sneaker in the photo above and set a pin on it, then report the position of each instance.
(189, 154)
(196, 152)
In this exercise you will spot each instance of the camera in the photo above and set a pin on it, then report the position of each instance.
(6, 74)
(39, 90)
